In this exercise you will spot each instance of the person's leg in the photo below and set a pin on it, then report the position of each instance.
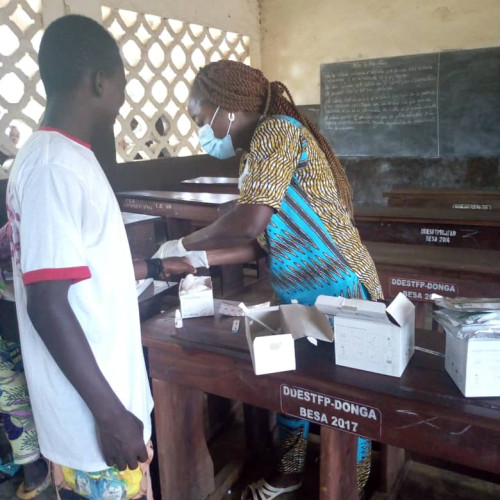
(36, 477)
(363, 462)
(18, 420)
(292, 436)
(292, 443)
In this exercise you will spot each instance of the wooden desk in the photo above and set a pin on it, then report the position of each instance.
(178, 208)
(458, 199)
(211, 185)
(181, 212)
(423, 411)
(429, 226)
(145, 233)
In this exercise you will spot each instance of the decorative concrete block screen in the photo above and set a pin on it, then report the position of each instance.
(22, 97)
(162, 57)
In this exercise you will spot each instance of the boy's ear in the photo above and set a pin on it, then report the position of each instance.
(98, 83)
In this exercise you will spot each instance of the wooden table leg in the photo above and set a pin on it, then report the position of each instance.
(256, 429)
(186, 468)
(177, 228)
(232, 277)
(392, 461)
(338, 465)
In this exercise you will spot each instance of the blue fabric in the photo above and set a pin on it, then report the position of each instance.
(305, 262)
(286, 423)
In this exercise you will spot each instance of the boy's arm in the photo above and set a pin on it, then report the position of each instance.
(120, 432)
(172, 265)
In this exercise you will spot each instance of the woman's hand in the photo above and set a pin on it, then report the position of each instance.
(171, 248)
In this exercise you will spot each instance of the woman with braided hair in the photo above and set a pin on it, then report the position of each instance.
(295, 205)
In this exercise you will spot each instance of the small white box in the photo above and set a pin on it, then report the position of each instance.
(370, 336)
(272, 353)
(474, 365)
(196, 304)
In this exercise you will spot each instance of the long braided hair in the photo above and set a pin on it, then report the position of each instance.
(235, 86)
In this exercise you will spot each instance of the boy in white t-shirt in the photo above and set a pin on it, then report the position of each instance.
(74, 276)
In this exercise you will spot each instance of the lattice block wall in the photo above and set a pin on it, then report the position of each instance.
(162, 57)
(22, 97)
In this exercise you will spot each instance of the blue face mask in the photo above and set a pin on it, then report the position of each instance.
(219, 148)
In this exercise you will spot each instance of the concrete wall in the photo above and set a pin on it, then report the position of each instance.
(298, 36)
(239, 16)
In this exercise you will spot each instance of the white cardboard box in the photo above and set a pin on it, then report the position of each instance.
(370, 336)
(272, 353)
(474, 365)
(197, 304)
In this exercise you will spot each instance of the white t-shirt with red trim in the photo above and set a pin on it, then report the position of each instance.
(66, 224)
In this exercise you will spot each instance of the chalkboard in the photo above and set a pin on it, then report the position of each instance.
(469, 103)
(424, 105)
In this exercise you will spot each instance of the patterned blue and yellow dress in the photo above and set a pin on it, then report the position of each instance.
(312, 246)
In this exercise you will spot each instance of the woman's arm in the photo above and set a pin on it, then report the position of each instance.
(236, 255)
(237, 228)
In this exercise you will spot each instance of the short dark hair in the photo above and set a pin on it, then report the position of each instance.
(71, 47)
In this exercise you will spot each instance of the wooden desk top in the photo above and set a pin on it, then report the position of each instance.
(212, 180)
(209, 199)
(131, 218)
(379, 213)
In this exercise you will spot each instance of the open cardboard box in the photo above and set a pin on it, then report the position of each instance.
(275, 352)
(197, 303)
(370, 336)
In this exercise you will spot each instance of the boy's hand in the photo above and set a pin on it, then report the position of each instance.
(122, 441)
(177, 265)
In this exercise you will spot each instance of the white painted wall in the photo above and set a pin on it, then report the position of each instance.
(298, 36)
(290, 39)
(239, 16)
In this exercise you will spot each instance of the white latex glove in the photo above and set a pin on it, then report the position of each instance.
(172, 248)
(198, 258)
